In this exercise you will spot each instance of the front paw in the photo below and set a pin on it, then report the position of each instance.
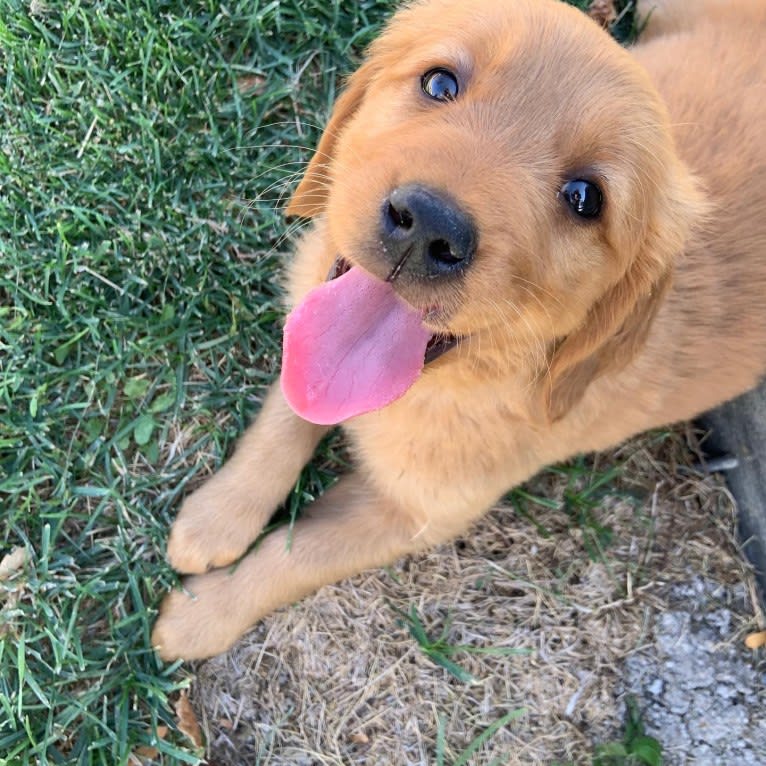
(213, 529)
(203, 620)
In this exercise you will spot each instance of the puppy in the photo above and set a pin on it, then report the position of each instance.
(540, 244)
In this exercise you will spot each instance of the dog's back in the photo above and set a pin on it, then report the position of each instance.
(714, 325)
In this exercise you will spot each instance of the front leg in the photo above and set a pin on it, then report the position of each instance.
(217, 523)
(349, 529)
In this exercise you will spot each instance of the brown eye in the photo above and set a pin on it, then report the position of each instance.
(440, 84)
(583, 197)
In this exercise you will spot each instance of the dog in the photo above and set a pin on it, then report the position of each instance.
(526, 242)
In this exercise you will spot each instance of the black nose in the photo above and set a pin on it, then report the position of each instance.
(425, 234)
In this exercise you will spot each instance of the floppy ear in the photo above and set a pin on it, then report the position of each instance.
(310, 198)
(615, 330)
(618, 325)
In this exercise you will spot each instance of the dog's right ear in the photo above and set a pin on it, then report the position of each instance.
(310, 198)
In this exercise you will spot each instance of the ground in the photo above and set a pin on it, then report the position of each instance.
(145, 153)
(564, 637)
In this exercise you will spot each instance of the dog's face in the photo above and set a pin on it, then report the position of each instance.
(509, 168)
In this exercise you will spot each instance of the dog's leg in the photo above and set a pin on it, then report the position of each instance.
(349, 529)
(218, 522)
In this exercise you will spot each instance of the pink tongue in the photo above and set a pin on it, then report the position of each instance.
(350, 347)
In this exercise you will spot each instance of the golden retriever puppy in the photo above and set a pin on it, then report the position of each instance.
(527, 242)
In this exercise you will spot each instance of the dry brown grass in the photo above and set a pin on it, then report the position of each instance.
(337, 679)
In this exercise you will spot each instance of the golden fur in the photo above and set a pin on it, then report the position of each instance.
(577, 335)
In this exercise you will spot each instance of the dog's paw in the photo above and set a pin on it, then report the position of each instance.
(213, 529)
(201, 621)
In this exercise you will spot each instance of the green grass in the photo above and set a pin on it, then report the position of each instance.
(634, 748)
(440, 651)
(139, 322)
(464, 757)
(586, 488)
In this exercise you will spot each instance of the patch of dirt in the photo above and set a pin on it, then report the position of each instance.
(701, 694)
(338, 679)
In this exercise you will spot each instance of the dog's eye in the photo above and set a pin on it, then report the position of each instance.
(583, 197)
(440, 85)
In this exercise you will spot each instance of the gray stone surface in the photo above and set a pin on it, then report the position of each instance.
(739, 428)
(702, 696)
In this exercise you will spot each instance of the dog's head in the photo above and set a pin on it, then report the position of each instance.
(510, 170)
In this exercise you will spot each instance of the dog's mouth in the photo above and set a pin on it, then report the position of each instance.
(354, 345)
(439, 343)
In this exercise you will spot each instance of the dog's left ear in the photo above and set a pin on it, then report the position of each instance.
(615, 330)
(310, 198)
(617, 326)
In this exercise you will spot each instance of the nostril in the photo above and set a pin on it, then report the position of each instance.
(402, 219)
(440, 250)
(424, 233)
